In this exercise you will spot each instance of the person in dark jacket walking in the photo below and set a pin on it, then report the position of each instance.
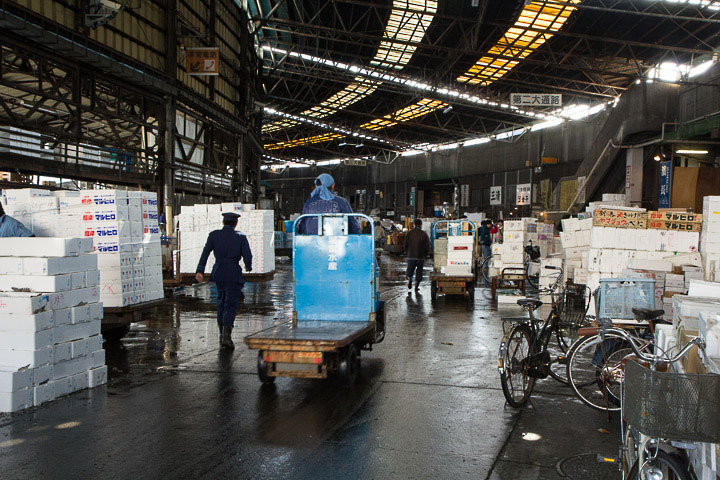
(229, 247)
(485, 238)
(417, 246)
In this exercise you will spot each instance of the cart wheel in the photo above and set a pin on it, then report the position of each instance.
(262, 370)
(349, 365)
(433, 290)
(470, 287)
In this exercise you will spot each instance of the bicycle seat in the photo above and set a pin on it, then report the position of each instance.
(531, 303)
(647, 314)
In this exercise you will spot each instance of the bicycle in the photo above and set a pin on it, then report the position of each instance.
(596, 361)
(661, 412)
(525, 352)
(531, 255)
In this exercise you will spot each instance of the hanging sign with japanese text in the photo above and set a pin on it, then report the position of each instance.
(665, 184)
(496, 195)
(202, 61)
(536, 99)
(524, 191)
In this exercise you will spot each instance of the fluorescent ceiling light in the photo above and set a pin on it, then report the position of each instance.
(693, 152)
(410, 153)
(475, 141)
(701, 68)
(448, 146)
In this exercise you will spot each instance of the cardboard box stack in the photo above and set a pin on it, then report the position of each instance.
(575, 240)
(197, 221)
(50, 343)
(123, 226)
(516, 234)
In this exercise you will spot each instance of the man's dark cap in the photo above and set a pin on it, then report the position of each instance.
(230, 216)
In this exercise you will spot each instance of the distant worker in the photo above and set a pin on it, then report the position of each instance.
(417, 246)
(229, 247)
(380, 234)
(323, 200)
(9, 227)
(485, 238)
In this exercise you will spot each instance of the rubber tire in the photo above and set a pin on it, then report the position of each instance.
(349, 365)
(523, 330)
(570, 360)
(116, 334)
(470, 287)
(433, 290)
(484, 270)
(670, 460)
(262, 370)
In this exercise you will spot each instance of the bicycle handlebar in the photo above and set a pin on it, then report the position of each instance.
(699, 342)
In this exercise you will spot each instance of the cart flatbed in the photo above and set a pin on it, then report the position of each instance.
(116, 320)
(310, 336)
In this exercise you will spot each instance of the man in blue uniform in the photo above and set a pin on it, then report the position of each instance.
(323, 200)
(9, 227)
(229, 247)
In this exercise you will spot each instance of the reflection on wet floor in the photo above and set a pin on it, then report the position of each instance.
(427, 405)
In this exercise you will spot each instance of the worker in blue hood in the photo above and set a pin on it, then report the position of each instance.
(9, 227)
(323, 200)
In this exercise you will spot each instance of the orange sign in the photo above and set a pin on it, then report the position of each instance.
(202, 61)
(549, 160)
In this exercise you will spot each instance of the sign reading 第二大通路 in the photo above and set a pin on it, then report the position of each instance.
(536, 99)
(202, 61)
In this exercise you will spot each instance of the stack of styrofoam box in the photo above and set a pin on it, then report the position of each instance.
(123, 225)
(608, 200)
(459, 256)
(516, 234)
(575, 239)
(50, 342)
(549, 272)
(196, 222)
(545, 241)
(710, 238)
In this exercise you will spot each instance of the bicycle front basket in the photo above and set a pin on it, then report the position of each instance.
(674, 406)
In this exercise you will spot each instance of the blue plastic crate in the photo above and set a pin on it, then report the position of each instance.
(618, 296)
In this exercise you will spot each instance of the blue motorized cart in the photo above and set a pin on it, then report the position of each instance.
(336, 308)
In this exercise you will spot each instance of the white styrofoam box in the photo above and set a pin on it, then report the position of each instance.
(231, 207)
(116, 229)
(26, 358)
(513, 225)
(18, 400)
(67, 333)
(42, 374)
(570, 224)
(44, 393)
(23, 303)
(116, 274)
(699, 288)
(78, 280)
(659, 265)
(92, 278)
(80, 348)
(72, 367)
(709, 330)
(73, 298)
(687, 309)
(62, 352)
(62, 316)
(104, 214)
(81, 381)
(38, 283)
(94, 343)
(27, 323)
(14, 340)
(42, 246)
(59, 265)
(672, 279)
(98, 376)
(118, 300)
(11, 266)
(62, 386)
(13, 379)
(98, 358)
(86, 313)
(24, 195)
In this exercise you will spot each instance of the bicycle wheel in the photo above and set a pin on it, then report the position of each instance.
(629, 450)
(514, 350)
(485, 270)
(668, 466)
(596, 368)
(558, 363)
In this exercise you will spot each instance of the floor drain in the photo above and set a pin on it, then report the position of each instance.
(587, 467)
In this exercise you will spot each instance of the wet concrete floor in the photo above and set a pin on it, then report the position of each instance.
(428, 404)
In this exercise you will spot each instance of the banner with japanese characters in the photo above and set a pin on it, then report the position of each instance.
(524, 193)
(608, 217)
(202, 61)
(665, 184)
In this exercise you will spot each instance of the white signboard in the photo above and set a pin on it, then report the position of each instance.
(536, 99)
(524, 191)
(465, 195)
(496, 195)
